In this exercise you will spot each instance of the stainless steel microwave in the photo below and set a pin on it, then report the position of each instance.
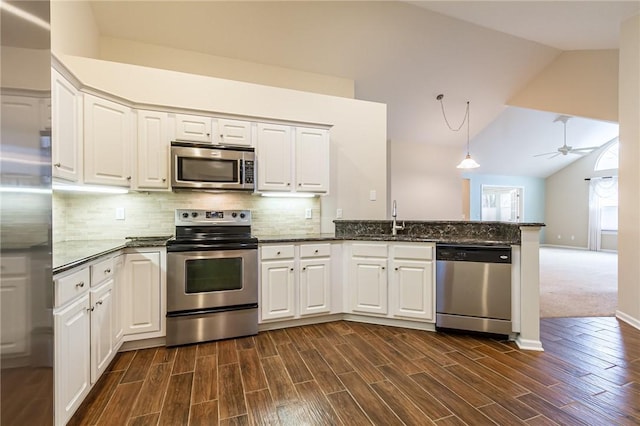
(197, 166)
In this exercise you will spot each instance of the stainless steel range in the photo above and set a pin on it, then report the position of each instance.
(212, 277)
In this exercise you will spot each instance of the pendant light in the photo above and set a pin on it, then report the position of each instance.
(468, 162)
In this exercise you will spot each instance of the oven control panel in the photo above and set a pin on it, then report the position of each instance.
(200, 217)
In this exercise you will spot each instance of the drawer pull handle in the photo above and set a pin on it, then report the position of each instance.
(80, 284)
(107, 271)
(90, 309)
(57, 165)
(99, 302)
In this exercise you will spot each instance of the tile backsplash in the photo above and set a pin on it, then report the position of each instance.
(89, 216)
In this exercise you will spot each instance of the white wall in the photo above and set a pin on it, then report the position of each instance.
(582, 83)
(629, 180)
(131, 52)
(425, 182)
(567, 202)
(73, 29)
(358, 135)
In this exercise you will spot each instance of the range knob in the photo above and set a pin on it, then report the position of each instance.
(242, 215)
(194, 214)
(185, 215)
(234, 214)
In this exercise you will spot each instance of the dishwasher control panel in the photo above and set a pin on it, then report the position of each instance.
(473, 253)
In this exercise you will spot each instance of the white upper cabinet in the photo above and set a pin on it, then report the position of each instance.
(234, 132)
(152, 155)
(194, 128)
(108, 142)
(312, 160)
(292, 159)
(274, 157)
(66, 146)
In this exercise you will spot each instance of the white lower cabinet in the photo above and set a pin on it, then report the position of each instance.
(72, 331)
(411, 287)
(395, 280)
(295, 281)
(142, 294)
(368, 278)
(14, 305)
(102, 344)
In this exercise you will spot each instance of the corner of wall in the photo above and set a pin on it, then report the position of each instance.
(74, 30)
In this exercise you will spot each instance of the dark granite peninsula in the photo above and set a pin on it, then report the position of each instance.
(452, 232)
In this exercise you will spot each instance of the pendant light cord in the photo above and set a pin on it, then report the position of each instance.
(464, 119)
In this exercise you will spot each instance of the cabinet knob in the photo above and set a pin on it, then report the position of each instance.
(107, 271)
(316, 252)
(278, 254)
(80, 284)
(291, 269)
(304, 269)
(128, 177)
(383, 268)
(396, 269)
(299, 184)
(57, 165)
(208, 134)
(164, 179)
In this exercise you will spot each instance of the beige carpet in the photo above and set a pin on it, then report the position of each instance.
(577, 283)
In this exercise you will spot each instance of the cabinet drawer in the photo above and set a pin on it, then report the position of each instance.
(413, 252)
(276, 252)
(315, 250)
(14, 265)
(370, 250)
(72, 285)
(101, 271)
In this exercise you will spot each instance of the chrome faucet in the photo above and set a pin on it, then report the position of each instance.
(394, 226)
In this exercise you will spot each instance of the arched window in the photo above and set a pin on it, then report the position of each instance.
(608, 159)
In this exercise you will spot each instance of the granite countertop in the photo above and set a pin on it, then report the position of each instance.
(69, 254)
(270, 239)
(266, 239)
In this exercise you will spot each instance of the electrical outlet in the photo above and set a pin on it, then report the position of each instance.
(307, 213)
(559, 236)
(119, 213)
(338, 213)
(373, 195)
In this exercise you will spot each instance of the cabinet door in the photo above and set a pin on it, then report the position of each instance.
(118, 296)
(368, 283)
(66, 147)
(315, 286)
(235, 132)
(193, 128)
(101, 329)
(274, 157)
(412, 289)
(277, 282)
(72, 357)
(312, 160)
(107, 142)
(152, 157)
(14, 314)
(142, 293)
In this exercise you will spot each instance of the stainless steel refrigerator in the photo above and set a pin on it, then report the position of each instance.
(26, 289)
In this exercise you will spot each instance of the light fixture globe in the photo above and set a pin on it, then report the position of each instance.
(468, 163)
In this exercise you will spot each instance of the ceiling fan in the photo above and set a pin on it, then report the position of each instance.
(566, 149)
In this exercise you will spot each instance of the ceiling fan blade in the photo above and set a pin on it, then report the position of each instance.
(589, 148)
(546, 153)
(554, 155)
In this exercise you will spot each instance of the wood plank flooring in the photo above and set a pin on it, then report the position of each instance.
(346, 373)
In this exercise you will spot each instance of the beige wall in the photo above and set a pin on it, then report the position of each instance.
(425, 181)
(629, 181)
(567, 202)
(358, 133)
(582, 83)
(119, 50)
(74, 30)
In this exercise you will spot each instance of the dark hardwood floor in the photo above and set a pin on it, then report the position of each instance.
(345, 373)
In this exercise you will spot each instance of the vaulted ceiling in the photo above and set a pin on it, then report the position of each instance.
(402, 54)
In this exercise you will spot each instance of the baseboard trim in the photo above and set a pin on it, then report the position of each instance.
(633, 322)
(529, 345)
(564, 247)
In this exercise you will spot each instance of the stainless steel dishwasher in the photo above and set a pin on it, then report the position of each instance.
(473, 288)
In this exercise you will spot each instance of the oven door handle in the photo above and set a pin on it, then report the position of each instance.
(211, 247)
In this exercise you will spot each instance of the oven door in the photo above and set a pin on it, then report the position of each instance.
(210, 279)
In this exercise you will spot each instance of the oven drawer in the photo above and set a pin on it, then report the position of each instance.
(276, 252)
(315, 250)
